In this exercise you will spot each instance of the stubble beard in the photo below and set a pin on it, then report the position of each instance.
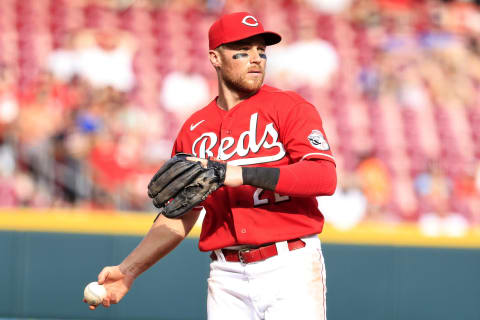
(242, 85)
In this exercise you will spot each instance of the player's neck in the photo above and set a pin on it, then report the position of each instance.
(228, 98)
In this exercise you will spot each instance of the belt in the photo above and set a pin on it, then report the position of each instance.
(248, 255)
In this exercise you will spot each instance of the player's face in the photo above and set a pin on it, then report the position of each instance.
(242, 64)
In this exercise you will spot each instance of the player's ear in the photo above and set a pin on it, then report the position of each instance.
(215, 59)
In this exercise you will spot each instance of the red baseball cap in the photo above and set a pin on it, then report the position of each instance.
(237, 26)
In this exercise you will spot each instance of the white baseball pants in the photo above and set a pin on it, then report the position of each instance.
(288, 286)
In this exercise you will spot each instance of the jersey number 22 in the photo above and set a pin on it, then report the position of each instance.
(257, 201)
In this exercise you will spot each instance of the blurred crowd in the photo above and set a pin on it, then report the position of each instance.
(87, 122)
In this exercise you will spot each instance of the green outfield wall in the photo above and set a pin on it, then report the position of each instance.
(42, 275)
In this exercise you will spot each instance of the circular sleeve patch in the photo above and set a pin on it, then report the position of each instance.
(317, 140)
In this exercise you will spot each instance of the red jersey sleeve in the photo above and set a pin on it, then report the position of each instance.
(302, 133)
(176, 149)
(181, 142)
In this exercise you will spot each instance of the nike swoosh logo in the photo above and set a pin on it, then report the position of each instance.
(193, 126)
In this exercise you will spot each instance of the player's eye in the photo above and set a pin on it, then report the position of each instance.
(261, 53)
(240, 55)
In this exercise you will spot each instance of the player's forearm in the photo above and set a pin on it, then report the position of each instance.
(164, 235)
(303, 179)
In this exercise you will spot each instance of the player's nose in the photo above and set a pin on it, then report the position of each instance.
(255, 56)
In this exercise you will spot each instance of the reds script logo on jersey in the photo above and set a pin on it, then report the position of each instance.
(229, 147)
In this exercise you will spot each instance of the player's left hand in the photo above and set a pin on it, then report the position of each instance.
(233, 176)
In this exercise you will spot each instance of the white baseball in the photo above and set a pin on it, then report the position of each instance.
(94, 293)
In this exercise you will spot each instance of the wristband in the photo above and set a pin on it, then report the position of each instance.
(263, 177)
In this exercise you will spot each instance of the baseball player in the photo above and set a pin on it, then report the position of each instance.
(266, 154)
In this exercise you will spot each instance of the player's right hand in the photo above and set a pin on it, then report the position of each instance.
(116, 283)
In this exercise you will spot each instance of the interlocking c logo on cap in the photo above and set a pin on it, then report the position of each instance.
(250, 24)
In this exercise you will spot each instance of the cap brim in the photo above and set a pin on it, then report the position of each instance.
(271, 38)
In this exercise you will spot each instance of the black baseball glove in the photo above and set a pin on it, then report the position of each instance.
(181, 184)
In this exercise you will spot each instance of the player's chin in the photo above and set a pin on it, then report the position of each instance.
(246, 85)
(252, 84)
(250, 89)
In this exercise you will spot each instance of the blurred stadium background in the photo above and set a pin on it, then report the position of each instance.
(92, 94)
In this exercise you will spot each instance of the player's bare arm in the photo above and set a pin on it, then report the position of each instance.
(164, 235)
